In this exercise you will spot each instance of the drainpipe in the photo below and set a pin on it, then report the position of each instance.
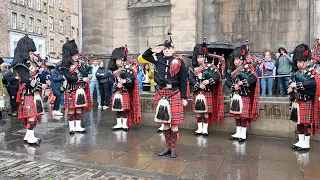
(312, 23)
(80, 24)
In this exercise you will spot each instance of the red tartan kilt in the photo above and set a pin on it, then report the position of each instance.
(175, 101)
(246, 108)
(28, 109)
(125, 103)
(306, 112)
(70, 98)
(209, 100)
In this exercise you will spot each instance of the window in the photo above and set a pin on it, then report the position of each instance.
(51, 27)
(51, 3)
(61, 44)
(15, 44)
(14, 20)
(40, 50)
(51, 45)
(22, 2)
(38, 5)
(61, 26)
(30, 3)
(31, 24)
(38, 26)
(22, 22)
(45, 7)
(61, 4)
(45, 31)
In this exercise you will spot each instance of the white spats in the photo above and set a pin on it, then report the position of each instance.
(78, 126)
(199, 131)
(118, 125)
(71, 127)
(124, 124)
(205, 129)
(237, 134)
(300, 142)
(243, 134)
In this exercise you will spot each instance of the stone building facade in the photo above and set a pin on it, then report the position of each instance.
(142, 23)
(47, 22)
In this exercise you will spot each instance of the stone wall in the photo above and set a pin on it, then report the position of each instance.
(4, 26)
(112, 23)
(267, 24)
(141, 23)
(273, 120)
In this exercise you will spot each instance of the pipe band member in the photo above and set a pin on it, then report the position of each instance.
(28, 96)
(205, 80)
(171, 78)
(304, 88)
(244, 84)
(77, 94)
(126, 98)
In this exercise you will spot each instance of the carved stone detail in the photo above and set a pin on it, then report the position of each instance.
(147, 3)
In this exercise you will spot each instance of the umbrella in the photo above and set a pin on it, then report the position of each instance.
(220, 48)
(9, 61)
(142, 60)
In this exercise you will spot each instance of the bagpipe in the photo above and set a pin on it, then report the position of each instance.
(47, 94)
(242, 73)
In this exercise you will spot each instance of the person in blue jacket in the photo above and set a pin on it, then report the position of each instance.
(57, 79)
(140, 77)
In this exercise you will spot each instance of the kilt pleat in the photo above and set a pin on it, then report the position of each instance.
(175, 101)
(306, 112)
(28, 108)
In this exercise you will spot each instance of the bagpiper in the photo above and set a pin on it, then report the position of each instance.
(205, 80)
(244, 84)
(28, 97)
(304, 88)
(171, 78)
(125, 100)
(77, 94)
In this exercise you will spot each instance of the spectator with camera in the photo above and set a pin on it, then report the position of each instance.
(267, 69)
(284, 67)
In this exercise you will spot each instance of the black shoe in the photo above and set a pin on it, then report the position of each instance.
(242, 140)
(205, 134)
(71, 132)
(125, 129)
(158, 130)
(195, 133)
(84, 131)
(164, 152)
(302, 149)
(233, 138)
(173, 154)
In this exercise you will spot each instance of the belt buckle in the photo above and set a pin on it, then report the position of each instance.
(168, 86)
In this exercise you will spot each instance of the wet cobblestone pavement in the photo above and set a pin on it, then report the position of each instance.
(105, 154)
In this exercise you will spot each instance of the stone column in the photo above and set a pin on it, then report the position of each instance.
(80, 24)
(184, 24)
(316, 20)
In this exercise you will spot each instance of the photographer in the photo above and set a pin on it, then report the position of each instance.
(284, 67)
(267, 68)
